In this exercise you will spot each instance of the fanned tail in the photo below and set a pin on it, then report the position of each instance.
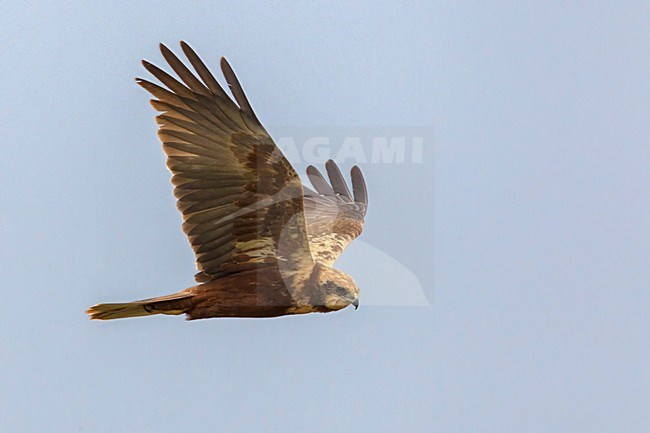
(175, 304)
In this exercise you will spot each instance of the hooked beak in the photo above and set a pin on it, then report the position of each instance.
(355, 303)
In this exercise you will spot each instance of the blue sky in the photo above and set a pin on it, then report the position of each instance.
(521, 237)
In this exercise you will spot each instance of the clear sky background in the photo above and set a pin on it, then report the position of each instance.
(525, 226)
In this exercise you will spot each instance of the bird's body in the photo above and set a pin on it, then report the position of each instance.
(263, 292)
(264, 243)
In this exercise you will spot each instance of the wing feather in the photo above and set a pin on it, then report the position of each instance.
(319, 182)
(336, 178)
(184, 74)
(359, 187)
(203, 71)
(237, 90)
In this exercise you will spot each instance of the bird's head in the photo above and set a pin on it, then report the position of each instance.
(337, 288)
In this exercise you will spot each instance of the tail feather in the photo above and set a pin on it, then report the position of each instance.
(175, 304)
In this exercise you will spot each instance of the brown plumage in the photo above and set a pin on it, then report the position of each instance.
(264, 244)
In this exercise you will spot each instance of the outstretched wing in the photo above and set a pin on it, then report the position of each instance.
(240, 198)
(334, 216)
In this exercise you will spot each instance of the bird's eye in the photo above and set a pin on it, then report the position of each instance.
(341, 291)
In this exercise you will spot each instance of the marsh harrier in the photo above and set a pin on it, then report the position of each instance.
(264, 243)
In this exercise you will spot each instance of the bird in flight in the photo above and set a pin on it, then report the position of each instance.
(264, 243)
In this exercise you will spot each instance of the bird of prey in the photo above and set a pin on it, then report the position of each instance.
(264, 243)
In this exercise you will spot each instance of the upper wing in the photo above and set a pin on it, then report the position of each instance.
(334, 216)
(240, 198)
